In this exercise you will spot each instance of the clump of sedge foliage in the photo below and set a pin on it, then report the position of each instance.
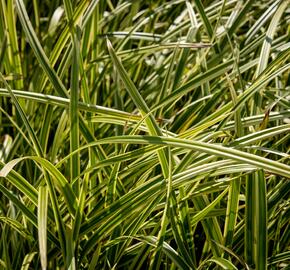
(144, 134)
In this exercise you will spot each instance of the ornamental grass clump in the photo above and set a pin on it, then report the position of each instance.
(144, 134)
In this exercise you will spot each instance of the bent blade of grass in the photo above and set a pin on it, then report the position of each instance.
(60, 180)
(114, 159)
(212, 149)
(27, 260)
(22, 185)
(148, 149)
(64, 102)
(261, 135)
(223, 263)
(141, 105)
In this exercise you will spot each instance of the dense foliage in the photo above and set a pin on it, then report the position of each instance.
(144, 134)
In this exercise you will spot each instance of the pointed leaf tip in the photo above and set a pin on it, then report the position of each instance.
(109, 44)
